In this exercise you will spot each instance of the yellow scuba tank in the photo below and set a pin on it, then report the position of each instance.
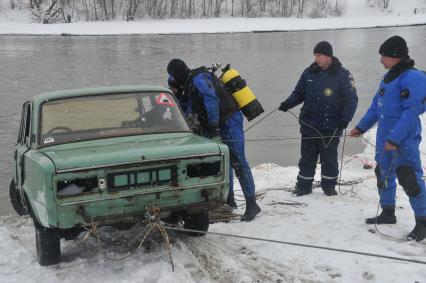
(245, 98)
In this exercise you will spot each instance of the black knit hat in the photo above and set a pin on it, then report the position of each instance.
(394, 47)
(178, 70)
(324, 48)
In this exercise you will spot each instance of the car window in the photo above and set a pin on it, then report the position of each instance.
(27, 133)
(109, 115)
(22, 125)
(25, 126)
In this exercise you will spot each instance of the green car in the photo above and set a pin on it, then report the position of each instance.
(105, 156)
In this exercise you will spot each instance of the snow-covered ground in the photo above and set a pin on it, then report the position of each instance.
(357, 15)
(336, 222)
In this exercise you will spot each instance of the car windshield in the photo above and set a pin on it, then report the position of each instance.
(109, 115)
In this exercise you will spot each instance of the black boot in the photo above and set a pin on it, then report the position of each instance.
(419, 231)
(252, 209)
(301, 191)
(231, 200)
(330, 191)
(387, 216)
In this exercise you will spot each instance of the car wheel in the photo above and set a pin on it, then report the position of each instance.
(16, 200)
(48, 246)
(199, 221)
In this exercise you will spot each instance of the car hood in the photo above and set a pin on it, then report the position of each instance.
(116, 151)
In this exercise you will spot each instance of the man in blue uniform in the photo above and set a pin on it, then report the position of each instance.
(219, 117)
(396, 107)
(329, 98)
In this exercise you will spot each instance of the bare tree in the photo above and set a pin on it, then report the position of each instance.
(173, 5)
(95, 10)
(183, 9)
(204, 9)
(48, 13)
(232, 8)
(301, 4)
(249, 8)
(104, 8)
(210, 7)
(386, 4)
(12, 4)
(217, 8)
(262, 4)
(319, 9)
(112, 9)
(190, 8)
(382, 4)
(86, 10)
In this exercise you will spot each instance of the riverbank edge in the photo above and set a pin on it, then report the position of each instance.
(119, 28)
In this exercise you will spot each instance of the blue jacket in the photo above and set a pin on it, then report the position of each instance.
(396, 107)
(204, 93)
(209, 99)
(329, 98)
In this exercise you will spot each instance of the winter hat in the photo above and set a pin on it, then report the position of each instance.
(394, 47)
(324, 48)
(178, 70)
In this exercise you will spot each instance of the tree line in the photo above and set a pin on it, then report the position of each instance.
(54, 11)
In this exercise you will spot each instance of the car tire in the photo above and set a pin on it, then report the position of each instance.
(16, 200)
(48, 246)
(199, 221)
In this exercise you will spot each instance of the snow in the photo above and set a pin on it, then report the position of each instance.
(358, 15)
(71, 189)
(315, 219)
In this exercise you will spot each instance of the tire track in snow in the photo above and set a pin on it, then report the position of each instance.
(224, 262)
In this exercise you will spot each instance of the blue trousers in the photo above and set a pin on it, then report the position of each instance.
(232, 135)
(388, 164)
(310, 150)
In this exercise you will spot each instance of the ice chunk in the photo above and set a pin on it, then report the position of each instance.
(71, 189)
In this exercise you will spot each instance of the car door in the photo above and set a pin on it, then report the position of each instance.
(23, 145)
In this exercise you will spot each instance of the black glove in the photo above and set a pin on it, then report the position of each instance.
(213, 130)
(284, 107)
(343, 125)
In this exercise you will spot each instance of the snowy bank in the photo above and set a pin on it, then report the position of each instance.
(222, 25)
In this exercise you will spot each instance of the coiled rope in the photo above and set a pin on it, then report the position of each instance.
(150, 228)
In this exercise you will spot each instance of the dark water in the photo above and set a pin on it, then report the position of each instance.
(270, 62)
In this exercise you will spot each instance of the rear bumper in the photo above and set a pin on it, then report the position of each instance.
(132, 206)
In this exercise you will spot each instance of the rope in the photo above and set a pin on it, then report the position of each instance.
(161, 228)
(298, 244)
(370, 143)
(289, 202)
(281, 139)
(380, 196)
(313, 128)
(317, 184)
(264, 117)
(150, 228)
(92, 231)
(341, 162)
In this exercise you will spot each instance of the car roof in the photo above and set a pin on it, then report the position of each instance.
(46, 96)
